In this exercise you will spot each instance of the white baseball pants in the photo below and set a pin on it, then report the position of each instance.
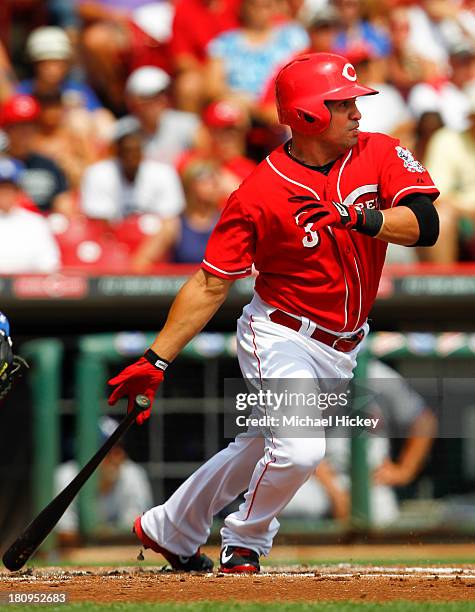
(269, 467)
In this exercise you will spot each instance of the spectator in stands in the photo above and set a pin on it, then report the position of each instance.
(402, 412)
(27, 244)
(224, 144)
(450, 159)
(50, 51)
(323, 26)
(167, 132)
(357, 32)
(448, 94)
(428, 123)
(195, 24)
(124, 491)
(54, 138)
(389, 113)
(51, 54)
(128, 183)
(406, 67)
(183, 239)
(436, 26)
(120, 36)
(42, 179)
(259, 44)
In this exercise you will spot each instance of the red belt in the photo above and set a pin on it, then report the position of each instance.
(344, 344)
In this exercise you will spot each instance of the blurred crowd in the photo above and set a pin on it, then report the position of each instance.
(125, 124)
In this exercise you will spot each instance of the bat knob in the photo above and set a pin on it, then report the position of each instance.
(142, 402)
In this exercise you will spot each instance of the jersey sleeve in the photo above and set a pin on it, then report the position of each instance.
(401, 174)
(230, 250)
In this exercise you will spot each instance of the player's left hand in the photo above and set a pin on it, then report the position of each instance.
(324, 213)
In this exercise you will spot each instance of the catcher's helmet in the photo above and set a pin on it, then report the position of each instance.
(303, 85)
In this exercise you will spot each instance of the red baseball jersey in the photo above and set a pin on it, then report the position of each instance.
(330, 276)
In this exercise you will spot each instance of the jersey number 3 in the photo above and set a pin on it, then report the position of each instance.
(312, 239)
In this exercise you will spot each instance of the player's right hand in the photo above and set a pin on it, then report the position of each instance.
(324, 213)
(140, 377)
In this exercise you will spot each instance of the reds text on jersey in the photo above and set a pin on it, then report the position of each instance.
(330, 276)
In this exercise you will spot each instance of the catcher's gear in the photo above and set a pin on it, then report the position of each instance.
(304, 85)
(12, 367)
(4, 326)
(322, 214)
(142, 377)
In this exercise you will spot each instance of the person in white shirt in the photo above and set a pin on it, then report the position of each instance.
(449, 95)
(128, 183)
(27, 244)
(389, 113)
(167, 132)
(436, 26)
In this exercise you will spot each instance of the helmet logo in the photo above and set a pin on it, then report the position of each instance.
(349, 72)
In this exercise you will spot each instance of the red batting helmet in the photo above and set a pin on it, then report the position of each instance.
(304, 84)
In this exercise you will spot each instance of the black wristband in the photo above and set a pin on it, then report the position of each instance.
(155, 360)
(370, 221)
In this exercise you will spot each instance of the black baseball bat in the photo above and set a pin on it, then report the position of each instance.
(26, 544)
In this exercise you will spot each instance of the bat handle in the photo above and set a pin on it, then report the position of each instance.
(141, 403)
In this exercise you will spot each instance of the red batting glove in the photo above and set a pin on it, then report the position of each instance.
(323, 213)
(144, 376)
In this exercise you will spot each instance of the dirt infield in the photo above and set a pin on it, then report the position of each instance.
(332, 582)
(276, 584)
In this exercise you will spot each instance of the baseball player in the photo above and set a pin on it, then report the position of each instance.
(314, 218)
(11, 366)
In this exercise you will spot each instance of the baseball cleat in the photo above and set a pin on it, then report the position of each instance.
(239, 560)
(198, 562)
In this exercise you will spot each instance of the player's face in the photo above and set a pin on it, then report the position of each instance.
(343, 129)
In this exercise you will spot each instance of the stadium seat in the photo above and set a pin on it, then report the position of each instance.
(133, 229)
(89, 244)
